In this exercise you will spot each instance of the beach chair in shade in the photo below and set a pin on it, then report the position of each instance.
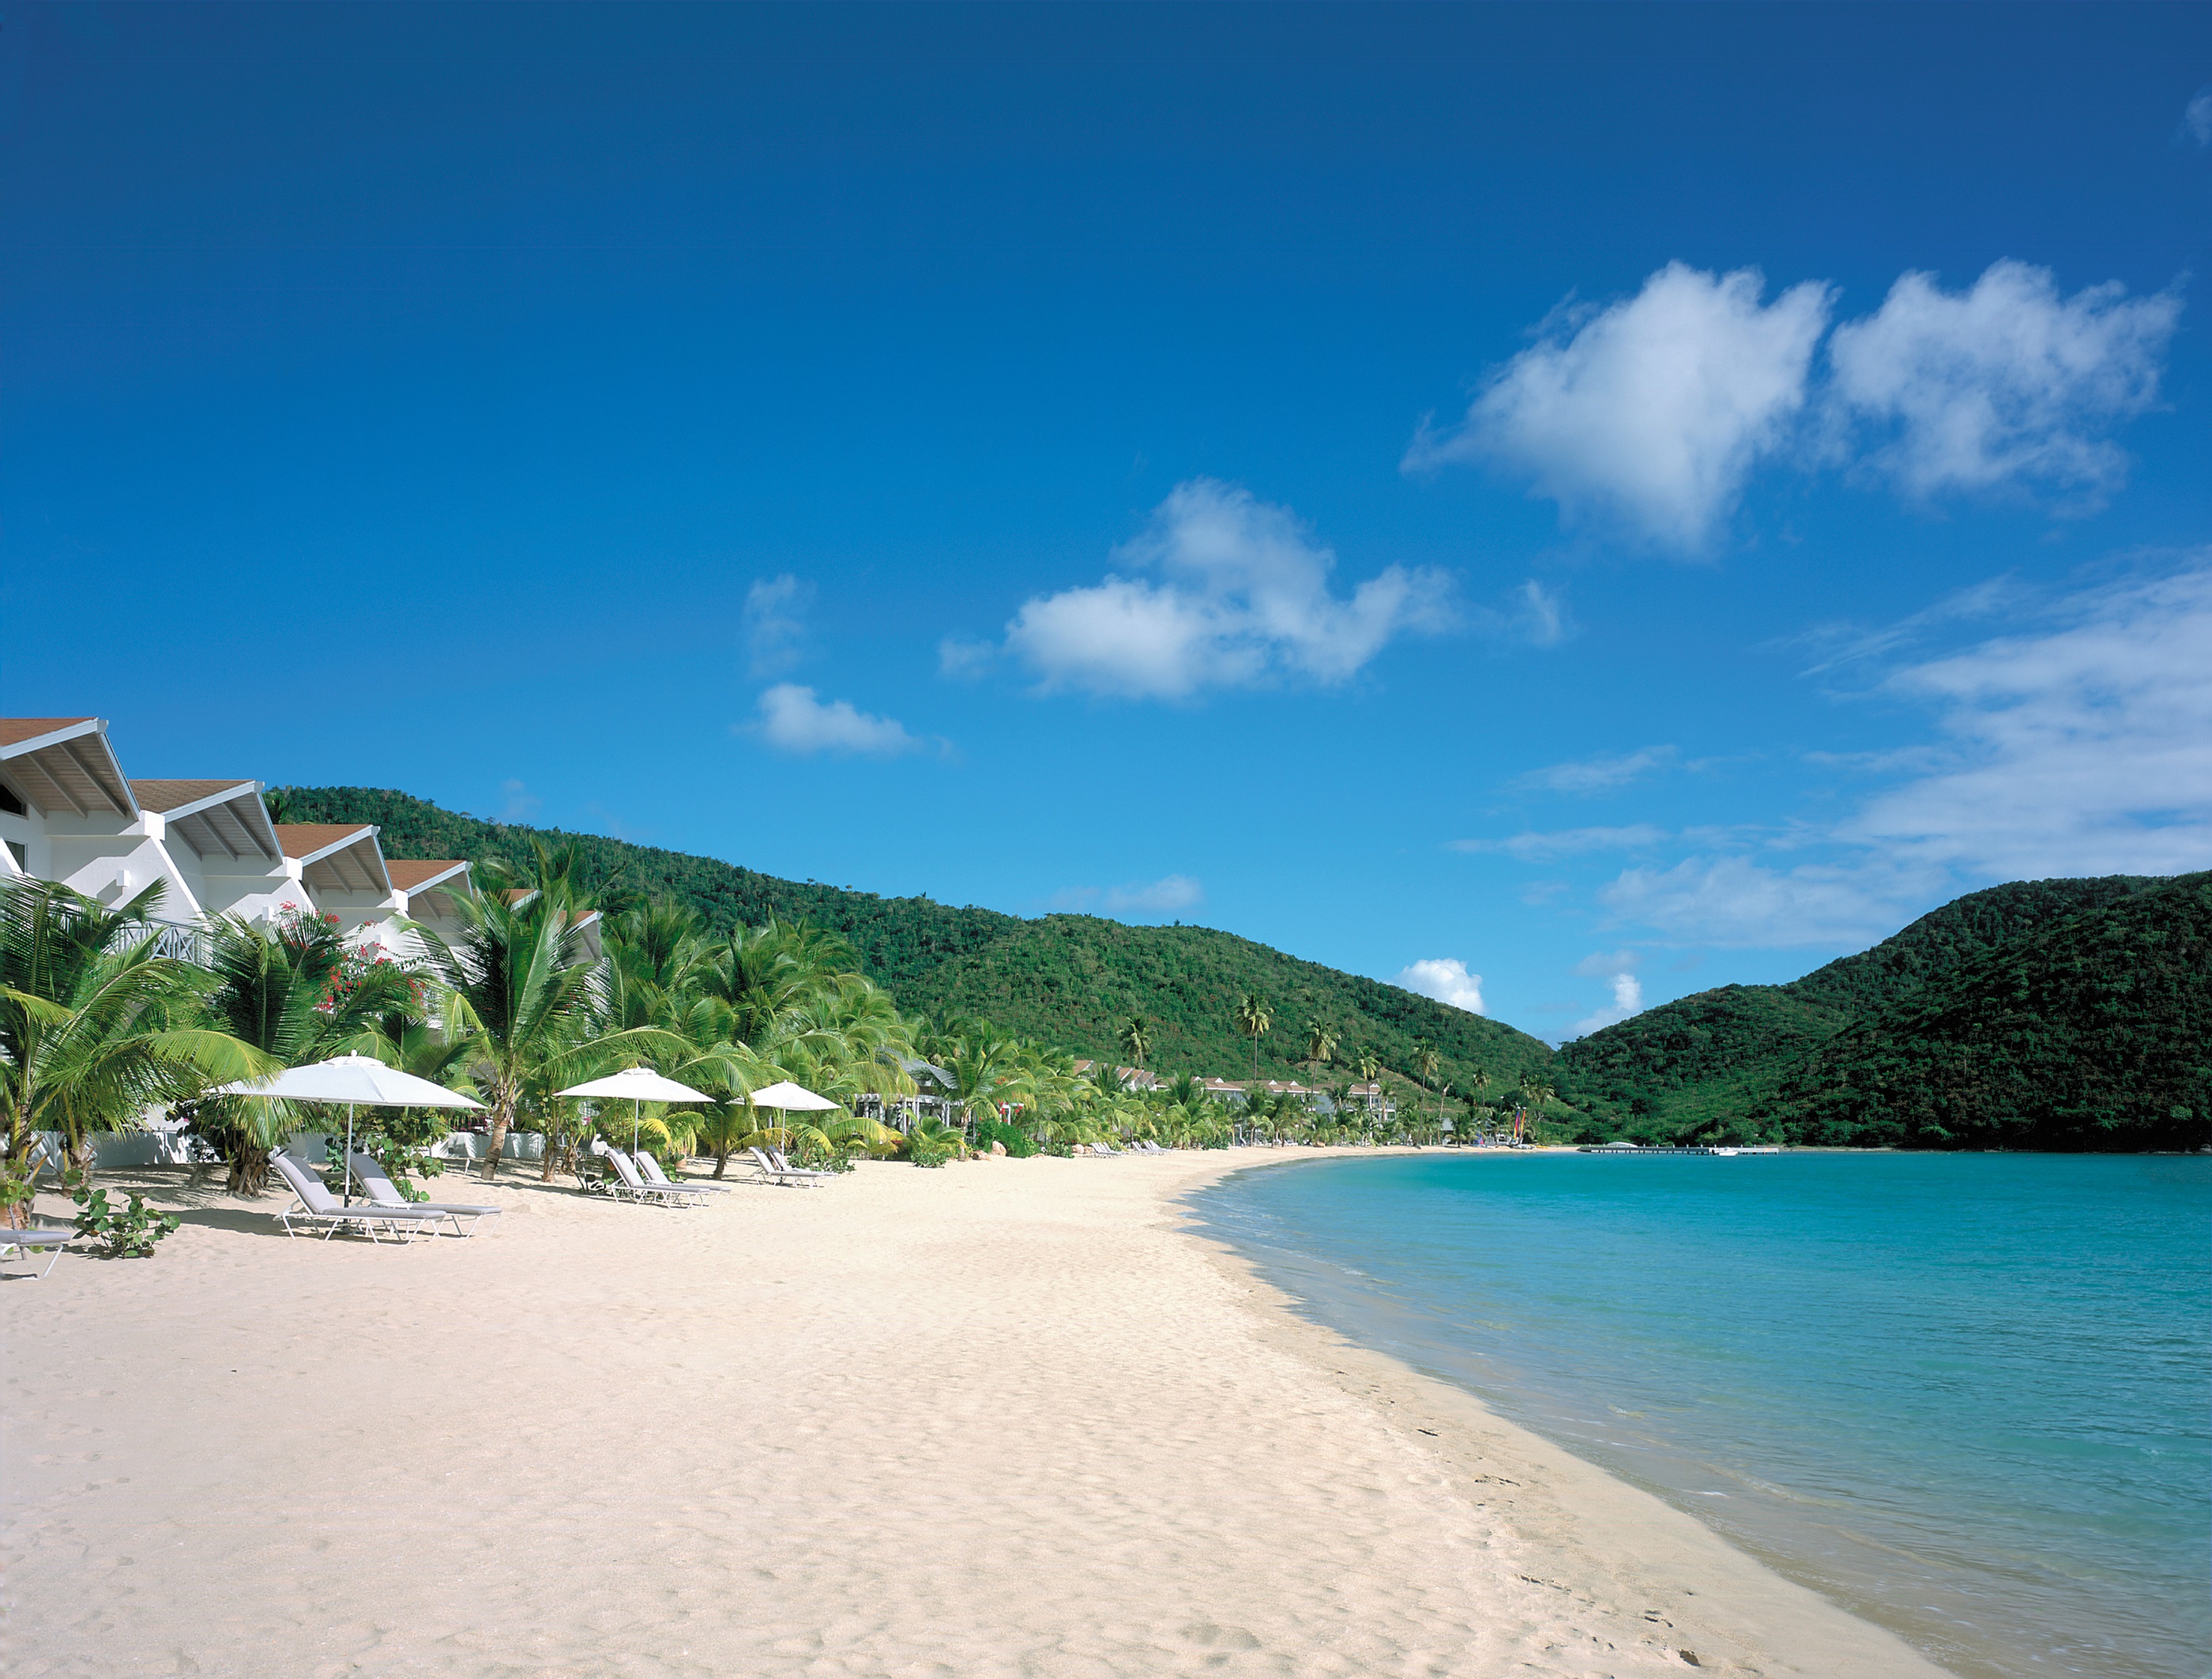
(766, 1171)
(630, 1186)
(315, 1205)
(47, 1239)
(378, 1186)
(649, 1170)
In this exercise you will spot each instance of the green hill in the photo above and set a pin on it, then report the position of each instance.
(2044, 1013)
(1069, 980)
(2095, 1033)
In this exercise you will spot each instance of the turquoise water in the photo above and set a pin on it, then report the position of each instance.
(1967, 1396)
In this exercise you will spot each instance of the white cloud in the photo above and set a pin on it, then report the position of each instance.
(1734, 902)
(1541, 613)
(2080, 746)
(1653, 410)
(1447, 979)
(1627, 999)
(521, 804)
(1567, 841)
(1598, 775)
(2002, 384)
(1162, 896)
(2197, 119)
(791, 719)
(2085, 749)
(1605, 963)
(1242, 600)
(774, 622)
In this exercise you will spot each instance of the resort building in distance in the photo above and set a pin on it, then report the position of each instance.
(69, 814)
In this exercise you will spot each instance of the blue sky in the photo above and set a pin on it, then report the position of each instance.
(1611, 502)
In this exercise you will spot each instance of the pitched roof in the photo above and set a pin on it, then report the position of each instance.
(409, 873)
(307, 839)
(15, 729)
(167, 796)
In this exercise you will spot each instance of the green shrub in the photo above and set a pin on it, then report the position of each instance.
(130, 1231)
(1016, 1142)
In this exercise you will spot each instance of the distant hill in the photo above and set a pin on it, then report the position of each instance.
(2094, 1033)
(1069, 980)
(2046, 1014)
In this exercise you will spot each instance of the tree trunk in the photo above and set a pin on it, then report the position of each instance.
(556, 1150)
(494, 1144)
(249, 1170)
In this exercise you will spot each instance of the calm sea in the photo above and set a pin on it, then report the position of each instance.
(1967, 1396)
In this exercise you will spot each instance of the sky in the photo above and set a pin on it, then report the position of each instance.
(1560, 508)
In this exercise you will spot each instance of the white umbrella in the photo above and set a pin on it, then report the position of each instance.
(359, 1081)
(787, 1098)
(641, 1085)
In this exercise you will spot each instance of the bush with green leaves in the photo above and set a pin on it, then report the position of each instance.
(130, 1231)
(1015, 1141)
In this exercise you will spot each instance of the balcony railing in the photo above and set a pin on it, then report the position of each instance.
(182, 944)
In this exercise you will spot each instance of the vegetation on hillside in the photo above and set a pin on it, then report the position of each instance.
(2047, 1014)
(1078, 981)
(2095, 1033)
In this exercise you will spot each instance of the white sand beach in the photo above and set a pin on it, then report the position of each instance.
(1008, 1418)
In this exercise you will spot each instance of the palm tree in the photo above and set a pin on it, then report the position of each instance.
(1320, 1041)
(94, 1028)
(294, 992)
(1253, 1017)
(517, 967)
(1137, 1039)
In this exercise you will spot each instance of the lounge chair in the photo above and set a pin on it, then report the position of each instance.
(784, 1165)
(649, 1169)
(318, 1206)
(378, 1186)
(46, 1238)
(769, 1171)
(632, 1187)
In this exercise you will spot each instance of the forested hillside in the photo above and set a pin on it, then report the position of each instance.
(1063, 979)
(2095, 1033)
(2046, 1014)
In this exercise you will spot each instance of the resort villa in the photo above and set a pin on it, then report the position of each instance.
(69, 814)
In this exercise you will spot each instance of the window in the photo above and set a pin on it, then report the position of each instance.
(10, 802)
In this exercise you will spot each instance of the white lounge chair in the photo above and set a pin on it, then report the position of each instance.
(649, 1169)
(316, 1204)
(378, 1186)
(784, 1165)
(769, 1170)
(632, 1187)
(40, 1238)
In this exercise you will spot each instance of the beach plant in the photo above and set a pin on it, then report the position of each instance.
(96, 1031)
(130, 1231)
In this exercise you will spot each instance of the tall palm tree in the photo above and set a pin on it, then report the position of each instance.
(1137, 1039)
(1253, 1018)
(94, 1028)
(1320, 1041)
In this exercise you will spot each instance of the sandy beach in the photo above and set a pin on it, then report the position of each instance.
(1008, 1418)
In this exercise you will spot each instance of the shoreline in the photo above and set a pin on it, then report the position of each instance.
(1009, 1418)
(1735, 1610)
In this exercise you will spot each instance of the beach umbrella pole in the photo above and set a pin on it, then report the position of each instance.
(346, 1175)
